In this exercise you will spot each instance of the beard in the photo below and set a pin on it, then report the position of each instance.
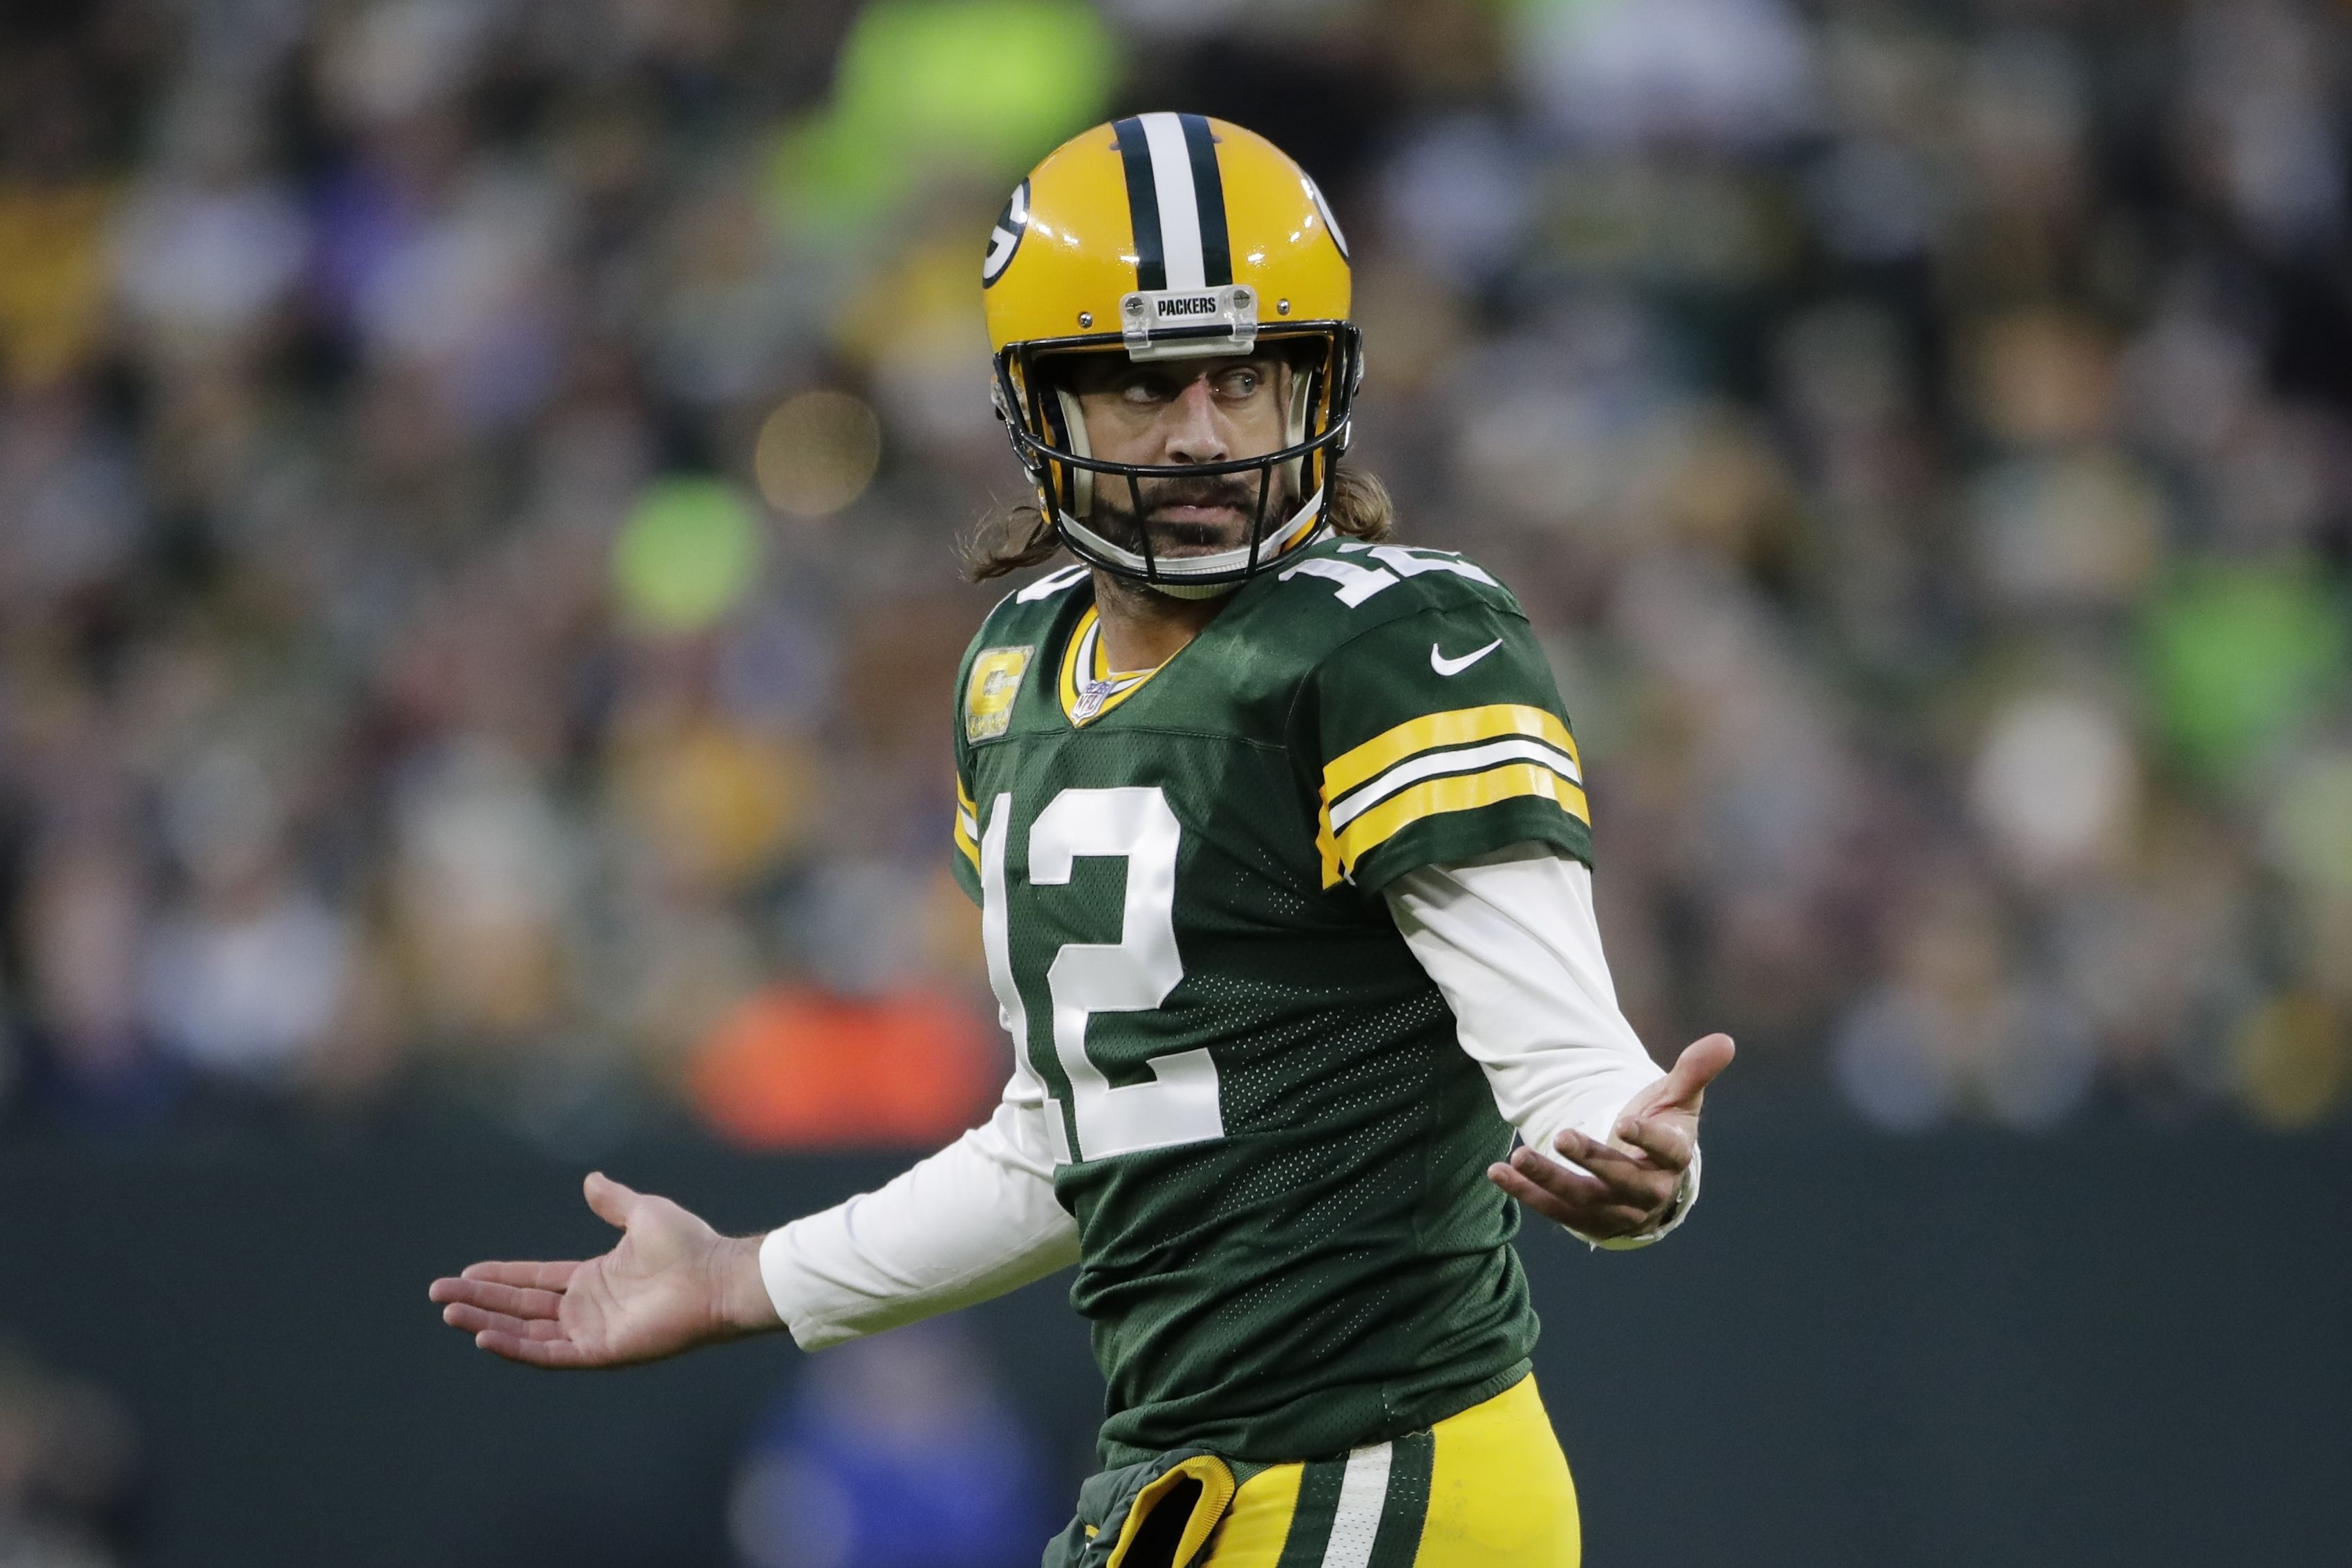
(1114, 515)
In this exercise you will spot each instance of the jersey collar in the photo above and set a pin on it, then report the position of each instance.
(1087, 687)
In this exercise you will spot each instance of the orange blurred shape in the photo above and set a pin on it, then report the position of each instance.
(797, 1068)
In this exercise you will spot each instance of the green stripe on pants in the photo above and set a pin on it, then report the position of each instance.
(1310, 1520)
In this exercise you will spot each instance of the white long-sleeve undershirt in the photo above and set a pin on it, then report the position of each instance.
(1511, 942)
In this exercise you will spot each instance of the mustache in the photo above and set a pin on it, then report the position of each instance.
(1207, 491)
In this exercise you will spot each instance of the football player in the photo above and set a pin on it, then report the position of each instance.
(1280, 843)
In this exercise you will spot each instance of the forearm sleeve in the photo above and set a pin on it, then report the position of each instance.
(1512, 942)
(975, 1220)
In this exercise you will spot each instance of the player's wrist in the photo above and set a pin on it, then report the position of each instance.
(740, 1294)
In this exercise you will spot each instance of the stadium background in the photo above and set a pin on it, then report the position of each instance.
(478, 486)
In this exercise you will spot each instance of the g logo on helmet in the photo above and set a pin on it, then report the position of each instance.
(1324, 208)
(1005, 238)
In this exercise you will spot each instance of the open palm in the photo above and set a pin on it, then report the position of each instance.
(1627, 1186)
(670, 1283)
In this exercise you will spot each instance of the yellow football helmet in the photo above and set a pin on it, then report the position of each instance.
(1169, 237)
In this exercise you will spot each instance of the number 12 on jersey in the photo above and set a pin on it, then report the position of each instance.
(1178, 1103)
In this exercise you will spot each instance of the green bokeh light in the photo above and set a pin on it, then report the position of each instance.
(982, 87)
(2238, 656)
(687, 555)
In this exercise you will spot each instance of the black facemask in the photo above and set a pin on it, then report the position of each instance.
(1114, 515)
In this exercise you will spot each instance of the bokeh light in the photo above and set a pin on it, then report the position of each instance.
(977, 88)
(818, 453)
(2054, 783)
(2238, 655)
(2294, 1060)
(688, 554)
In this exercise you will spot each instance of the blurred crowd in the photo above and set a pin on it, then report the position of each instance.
(75, 1491)
(479, 482)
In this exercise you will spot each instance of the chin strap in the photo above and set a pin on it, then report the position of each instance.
(1195, 590)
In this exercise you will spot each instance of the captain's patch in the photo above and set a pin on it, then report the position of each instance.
(995, 680)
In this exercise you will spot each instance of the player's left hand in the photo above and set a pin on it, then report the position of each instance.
(1627, 1186)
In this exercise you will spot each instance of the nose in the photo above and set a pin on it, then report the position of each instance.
(1196, 426)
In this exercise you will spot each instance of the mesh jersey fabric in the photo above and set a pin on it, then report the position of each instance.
(1273, 1144)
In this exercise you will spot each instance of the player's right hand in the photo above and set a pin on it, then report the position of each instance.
(670, 1283)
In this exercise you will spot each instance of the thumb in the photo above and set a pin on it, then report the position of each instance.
(1702, 1060)
(613, 1202)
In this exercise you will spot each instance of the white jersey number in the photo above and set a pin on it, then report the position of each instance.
(1134, 975)
(1359, 583)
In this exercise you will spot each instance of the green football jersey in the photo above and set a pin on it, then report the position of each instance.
(1273, 1145)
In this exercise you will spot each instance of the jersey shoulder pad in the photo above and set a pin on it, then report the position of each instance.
(1355, 586)
(1432, 730)
(1032, 604)
(1003, 653)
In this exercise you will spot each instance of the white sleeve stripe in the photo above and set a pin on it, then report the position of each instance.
(1433, 764)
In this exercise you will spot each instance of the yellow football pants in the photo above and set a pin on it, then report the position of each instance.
(1487, 1488)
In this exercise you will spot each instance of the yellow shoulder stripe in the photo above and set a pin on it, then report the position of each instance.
(1376, 755)
(1434, 797)
(967, 826)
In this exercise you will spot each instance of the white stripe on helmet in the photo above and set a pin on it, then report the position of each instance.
(1179, 205)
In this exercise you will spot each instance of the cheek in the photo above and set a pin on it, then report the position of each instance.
(1119, 435)
(1264, 426)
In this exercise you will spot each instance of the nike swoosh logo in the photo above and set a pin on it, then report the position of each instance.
(1444, 666)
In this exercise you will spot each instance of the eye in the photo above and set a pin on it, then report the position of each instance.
(1241, 381)
(1144, 390)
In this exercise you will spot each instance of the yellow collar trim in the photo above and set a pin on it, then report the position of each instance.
(1086, 699)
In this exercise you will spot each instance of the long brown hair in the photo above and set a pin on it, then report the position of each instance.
(1023, 536)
